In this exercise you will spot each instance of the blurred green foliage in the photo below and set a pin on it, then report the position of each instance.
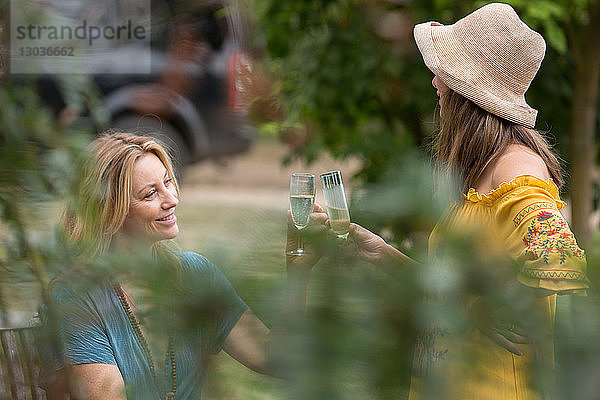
(36, 157)
(357, 94)
(352, 90)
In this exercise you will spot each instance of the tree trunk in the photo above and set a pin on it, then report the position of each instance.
(583, 123)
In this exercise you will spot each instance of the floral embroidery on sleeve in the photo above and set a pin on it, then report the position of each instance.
(525, 211)
(548, 234)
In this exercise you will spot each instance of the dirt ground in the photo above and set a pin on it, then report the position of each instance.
(255, 178)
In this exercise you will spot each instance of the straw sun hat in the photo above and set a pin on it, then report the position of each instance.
(490, 57)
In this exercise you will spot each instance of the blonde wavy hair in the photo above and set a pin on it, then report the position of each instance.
(470, 139)
(102, 194)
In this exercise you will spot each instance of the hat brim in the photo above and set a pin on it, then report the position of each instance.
(457, 78)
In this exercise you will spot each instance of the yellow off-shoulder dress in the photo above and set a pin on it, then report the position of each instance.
(520, 218)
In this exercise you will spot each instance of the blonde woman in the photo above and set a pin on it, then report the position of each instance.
(509, 200)
(127, 202)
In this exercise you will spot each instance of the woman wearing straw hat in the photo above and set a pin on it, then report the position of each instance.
(509, 182)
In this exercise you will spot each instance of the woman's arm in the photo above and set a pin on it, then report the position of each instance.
(247, 342)
(372, 248)
(96, 382)
(250, 340)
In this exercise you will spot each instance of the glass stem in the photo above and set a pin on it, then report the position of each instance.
(300, 242)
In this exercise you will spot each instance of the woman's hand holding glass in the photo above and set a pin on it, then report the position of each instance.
(312, 237)
(366, 245)
(371, 248)
(360, 242)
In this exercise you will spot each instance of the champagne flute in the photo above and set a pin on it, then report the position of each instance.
(335, 202)
(302, 199)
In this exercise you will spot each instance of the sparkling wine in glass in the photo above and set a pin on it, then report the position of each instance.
(302, 200)
(335, 202)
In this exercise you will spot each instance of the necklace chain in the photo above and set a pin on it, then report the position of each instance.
(135, 324)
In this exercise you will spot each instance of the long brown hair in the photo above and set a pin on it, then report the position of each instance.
(102, 195)
(470, 139)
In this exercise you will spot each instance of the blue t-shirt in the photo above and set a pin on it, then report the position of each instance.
(95, 329)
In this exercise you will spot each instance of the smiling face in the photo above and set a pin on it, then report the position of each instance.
(154, 197)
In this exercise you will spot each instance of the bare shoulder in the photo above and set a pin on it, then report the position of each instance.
(518, 160)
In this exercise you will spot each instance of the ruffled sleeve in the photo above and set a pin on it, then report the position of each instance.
(527, 212)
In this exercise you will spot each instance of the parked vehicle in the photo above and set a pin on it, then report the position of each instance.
(189, 96)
